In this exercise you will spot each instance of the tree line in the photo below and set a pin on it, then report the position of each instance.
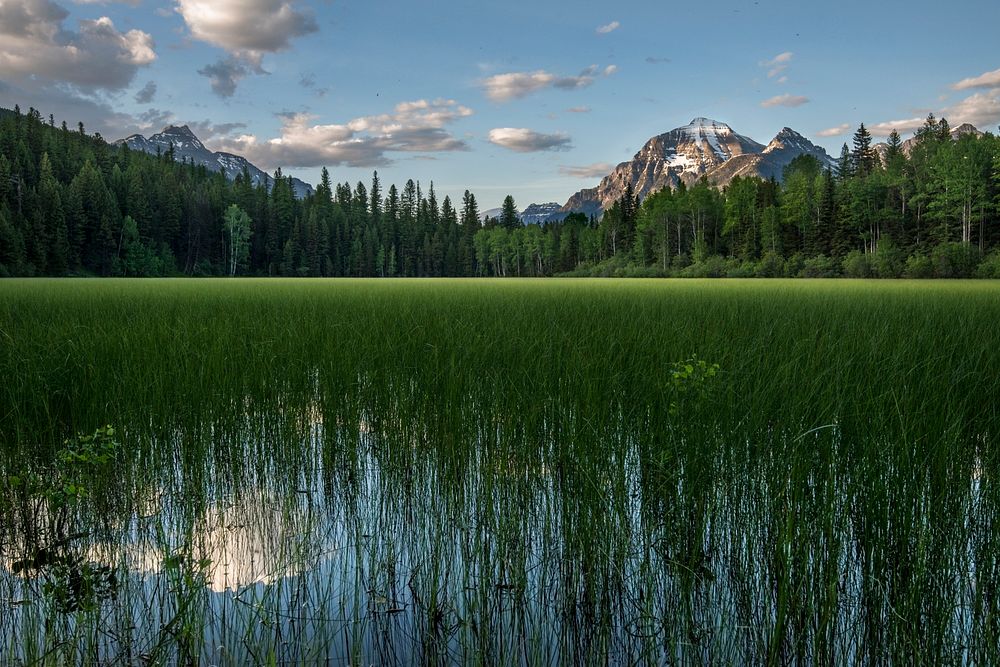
(929, 209)
(72, 204)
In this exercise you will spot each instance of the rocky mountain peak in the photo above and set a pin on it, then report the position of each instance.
(179, 135)
(966, 128)
(789, 138)
(188, 147)
(707, 124)
(702, 148)
(788, 133)
(179, 131)
(956, 133)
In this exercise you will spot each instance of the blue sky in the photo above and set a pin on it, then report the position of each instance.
(537, 99)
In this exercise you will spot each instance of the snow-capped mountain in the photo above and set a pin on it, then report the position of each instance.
(187, 145)
(537, 214)
(770, 162)
(703, 147)
(534, 214)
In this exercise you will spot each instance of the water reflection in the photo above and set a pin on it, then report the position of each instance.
(397, 533)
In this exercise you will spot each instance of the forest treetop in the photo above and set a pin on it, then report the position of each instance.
(71, 204)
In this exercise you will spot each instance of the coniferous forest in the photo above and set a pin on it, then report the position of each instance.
(73, 204)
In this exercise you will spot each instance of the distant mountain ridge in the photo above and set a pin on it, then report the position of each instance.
(537, 214)
(703, 147)
(956, 134)
(187, 145)
(534, 214)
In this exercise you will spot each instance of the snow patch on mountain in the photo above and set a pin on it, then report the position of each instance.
(702, 148)
(188, 147)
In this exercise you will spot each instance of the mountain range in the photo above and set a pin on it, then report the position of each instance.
(703, 147)
(187, 145)
(956, 134)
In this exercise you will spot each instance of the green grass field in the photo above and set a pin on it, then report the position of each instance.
(499, 472)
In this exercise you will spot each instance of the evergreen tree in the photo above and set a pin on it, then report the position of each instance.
(71, 203)
(893, 147)
(510, 218)
(845, 169)
(863, 157)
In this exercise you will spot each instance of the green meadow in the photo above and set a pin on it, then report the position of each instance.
(499, 472)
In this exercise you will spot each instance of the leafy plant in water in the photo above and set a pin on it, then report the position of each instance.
(50, 493)
(689, 381)
(74, 584)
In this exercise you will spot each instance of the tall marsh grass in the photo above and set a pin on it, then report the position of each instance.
(499, 472)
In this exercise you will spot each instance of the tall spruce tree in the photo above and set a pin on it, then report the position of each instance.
(863, 157)
(510, 218)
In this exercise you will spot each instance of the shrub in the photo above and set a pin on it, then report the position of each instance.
(919, 266)
(888, 261)
(858, 265)
(771, 265)
(819, 266)
(794, 265)
(990, 266)
(635, 271)
(954, 260)
(680, 261)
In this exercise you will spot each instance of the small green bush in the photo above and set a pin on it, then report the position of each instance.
(819, 266)
(858, 265)
(771, 265)
(919, 266)
(888, 261)
(954, 260)
(990, 266)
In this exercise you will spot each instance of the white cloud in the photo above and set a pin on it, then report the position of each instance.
(985, 80)
(980, 109)
(835, 131)
(595, 170)
(515, 85)
(902, 126)
(580, 109)
(777, 64)
(246, 28)
(785, 100)
(413, 127)
(610, 27)
(523, 140)
(503, 87)
(35, 45)
(133, 3)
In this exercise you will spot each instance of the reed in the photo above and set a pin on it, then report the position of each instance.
(499, 472)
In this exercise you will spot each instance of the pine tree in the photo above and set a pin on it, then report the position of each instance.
(930, 131)
(844, 167)
(375, 197)
(894, 147)
(469, 221)
(863, 157)
(510, 218)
